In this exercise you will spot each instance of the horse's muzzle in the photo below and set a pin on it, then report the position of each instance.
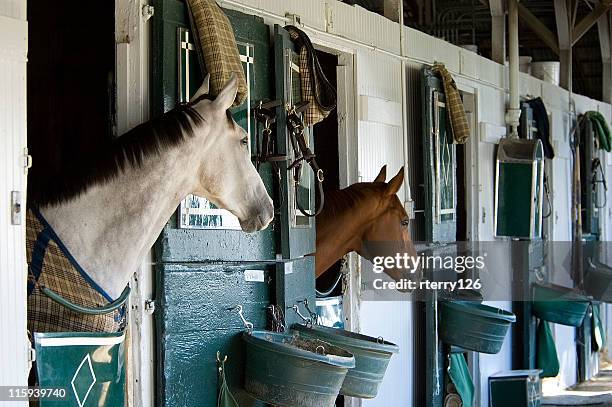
(260, 219)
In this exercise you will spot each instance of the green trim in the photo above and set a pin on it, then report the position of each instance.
(113, 306)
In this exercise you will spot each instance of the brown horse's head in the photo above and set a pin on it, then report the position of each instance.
(386, 233)
(368, 218)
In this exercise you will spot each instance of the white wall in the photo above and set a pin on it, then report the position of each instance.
(13, 271)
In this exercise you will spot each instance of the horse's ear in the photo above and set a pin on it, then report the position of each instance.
(382, 175)
(396, 182)
(226, 97)
(203, 88)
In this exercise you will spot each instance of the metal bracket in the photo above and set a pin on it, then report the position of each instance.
(16, 207)
(147, 12)
(31, 355)
(295, 19)
(149, 306)
(27, 160)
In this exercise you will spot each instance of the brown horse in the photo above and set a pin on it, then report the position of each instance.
(364, 212)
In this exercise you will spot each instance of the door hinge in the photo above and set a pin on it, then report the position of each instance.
(149, 306)
(16, 207)
(31, 354)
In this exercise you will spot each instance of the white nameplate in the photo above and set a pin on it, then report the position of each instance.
(254, 275)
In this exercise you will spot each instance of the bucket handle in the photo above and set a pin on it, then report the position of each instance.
(87, 310)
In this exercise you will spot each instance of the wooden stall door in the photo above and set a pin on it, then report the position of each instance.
(205, 265)
(440, 217)
(297, 230)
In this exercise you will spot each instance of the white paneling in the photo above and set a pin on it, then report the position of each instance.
(396, 327)
(529, 86)
(359, 24)
(554, 96)
(565, 339)
(486, 186)
(584, 104)
(491, 105)
(13, 8)
(13, 271)
(379, 145)
(429, 49)
(491, 133)
(371, 68)
(469, 63)
(380, 110)
(490, 364)
(491, 72)
(311, 12)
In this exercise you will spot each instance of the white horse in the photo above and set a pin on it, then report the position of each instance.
(110, 222)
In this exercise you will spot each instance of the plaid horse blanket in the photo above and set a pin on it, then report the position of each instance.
(51, 265)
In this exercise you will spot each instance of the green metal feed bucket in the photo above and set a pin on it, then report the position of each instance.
(559, 305)
(372, 356)
(474, 326)
(285, 370)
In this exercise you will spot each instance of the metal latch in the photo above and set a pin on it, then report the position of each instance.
(16, 207)
(147, 12)
(149, 306)
(27, 160)
(31, 355)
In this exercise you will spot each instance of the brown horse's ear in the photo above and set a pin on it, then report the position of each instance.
(396, 182)
(382, 175)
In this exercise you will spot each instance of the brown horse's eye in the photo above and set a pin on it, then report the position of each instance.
(406, 222)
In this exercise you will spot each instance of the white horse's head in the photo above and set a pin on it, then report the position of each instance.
(226, 175)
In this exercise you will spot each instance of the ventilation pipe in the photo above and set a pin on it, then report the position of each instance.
(513, 114)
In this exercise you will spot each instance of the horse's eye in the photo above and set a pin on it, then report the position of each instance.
(244, 141)
(406, 222)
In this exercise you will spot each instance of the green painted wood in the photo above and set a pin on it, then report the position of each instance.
(295, 281)
(297, 232)
(443, 227)
(589, 197)
(195, 319)
(438, 228)
(176, 245)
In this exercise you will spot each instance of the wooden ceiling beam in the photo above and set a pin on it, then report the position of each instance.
(538, 28)
(589, 21)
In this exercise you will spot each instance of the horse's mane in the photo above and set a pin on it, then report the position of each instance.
(129, 150)
(340, 201)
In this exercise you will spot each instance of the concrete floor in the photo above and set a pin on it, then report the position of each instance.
(595, 392)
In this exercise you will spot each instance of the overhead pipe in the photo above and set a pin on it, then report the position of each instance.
(513, 114)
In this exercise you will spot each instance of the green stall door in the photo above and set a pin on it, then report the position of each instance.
(297, 230)
(200, 231)
(197, 317)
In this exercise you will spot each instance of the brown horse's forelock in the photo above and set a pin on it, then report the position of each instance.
(129, 150)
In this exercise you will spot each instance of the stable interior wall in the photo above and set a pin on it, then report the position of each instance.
(375, 42)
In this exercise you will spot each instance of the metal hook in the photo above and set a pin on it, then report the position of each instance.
(313, 316)
(219, 359)
(297, 311)
(320, 350)
(248, 325)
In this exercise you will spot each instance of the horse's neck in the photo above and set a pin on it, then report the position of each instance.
(338, 232)
(109, 228)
